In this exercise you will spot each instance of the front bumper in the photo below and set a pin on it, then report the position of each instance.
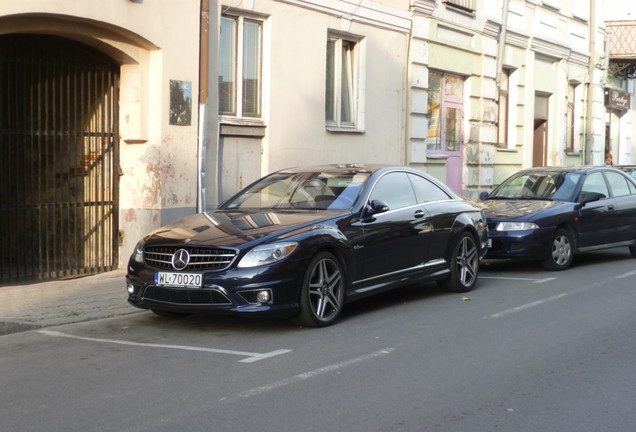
(527, 244)
(231, 292)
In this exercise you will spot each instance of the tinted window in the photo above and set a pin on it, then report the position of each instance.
(538, 185)
(307, 190)
(395, 190)
(425, 190)
(595, 183)
(618, 184)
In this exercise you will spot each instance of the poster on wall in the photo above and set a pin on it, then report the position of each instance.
(180, 103)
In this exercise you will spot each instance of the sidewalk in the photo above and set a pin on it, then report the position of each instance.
(33, 305)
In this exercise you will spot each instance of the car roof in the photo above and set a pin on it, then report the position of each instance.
(338, 168)
(582, 169)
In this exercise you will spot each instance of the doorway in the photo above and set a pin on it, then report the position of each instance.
(540, 138)
(59, 141)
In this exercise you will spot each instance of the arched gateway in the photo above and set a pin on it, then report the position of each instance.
(58, 158)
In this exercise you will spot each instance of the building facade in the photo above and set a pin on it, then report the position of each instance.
(120, 116)
(303, 83)
(496, 86)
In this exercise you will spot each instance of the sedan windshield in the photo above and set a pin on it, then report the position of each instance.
(308, 190)
(555, 186)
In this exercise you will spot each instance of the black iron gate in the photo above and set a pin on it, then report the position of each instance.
(58, 158)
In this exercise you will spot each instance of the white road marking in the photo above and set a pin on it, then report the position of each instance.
(526, 306)
(537, 281)
(250, 357)
(626, 275)
(304, 376)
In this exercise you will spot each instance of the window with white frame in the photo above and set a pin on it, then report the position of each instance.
(341, 96)
(240, 67)
(571, 119)
(504, 108)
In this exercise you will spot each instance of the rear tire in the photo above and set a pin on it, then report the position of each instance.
(561, 251)
(464, 265)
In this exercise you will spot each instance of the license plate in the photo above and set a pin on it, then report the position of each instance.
(189, 280)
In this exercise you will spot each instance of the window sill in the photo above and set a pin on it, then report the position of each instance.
(241, 121)
(336, 129)
(243, 130)
(506, 150)
(441, 157)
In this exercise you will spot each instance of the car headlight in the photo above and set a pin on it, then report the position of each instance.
(138, 254)
(267, 254)
(516, 226)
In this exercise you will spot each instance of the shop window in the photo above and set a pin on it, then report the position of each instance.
(445, 110)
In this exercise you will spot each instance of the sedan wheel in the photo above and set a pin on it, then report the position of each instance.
(322, 294)
(561, 254)
(464, 265)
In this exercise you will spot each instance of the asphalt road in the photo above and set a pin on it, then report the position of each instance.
(527, 351)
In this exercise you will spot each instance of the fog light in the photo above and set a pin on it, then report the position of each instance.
(264, 296)
(131, 289)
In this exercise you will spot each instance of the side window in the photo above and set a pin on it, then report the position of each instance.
(595, 183)
(395, 190)
(426, 191)
(618, 184)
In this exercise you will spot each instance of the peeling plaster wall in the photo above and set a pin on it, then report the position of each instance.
(154, 42)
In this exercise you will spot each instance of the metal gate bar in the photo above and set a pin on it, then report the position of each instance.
(59, 143)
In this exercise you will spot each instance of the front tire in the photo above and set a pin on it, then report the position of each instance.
(322, 294)
(561, 251)
(464, 265)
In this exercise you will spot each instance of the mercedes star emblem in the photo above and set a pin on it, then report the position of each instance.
(180, 259)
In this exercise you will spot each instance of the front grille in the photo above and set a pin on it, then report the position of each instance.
(185, 296)
(200, 258)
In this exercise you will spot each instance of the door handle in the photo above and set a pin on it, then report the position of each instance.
(419, 213)
(611, 207)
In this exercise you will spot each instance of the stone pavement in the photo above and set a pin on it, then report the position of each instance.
(28, 306)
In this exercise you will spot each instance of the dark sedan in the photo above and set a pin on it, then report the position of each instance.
(302, 242)
(549, 214)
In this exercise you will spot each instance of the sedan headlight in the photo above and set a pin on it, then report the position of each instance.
(267, 254)
(516, 226)
(138, 254)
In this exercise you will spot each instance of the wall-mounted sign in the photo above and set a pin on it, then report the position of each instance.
(615, 99)
(180, 103)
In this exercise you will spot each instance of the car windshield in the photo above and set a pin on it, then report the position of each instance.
(555, 186)
(308, 190)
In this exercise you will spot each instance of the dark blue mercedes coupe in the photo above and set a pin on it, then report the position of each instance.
(303, 242)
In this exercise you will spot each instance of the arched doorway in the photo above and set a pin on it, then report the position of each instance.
(58, 160)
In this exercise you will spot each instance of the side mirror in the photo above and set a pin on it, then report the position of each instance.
(483, 195)
(588, 197)
(375, 207)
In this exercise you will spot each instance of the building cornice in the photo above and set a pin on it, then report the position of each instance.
(360, 11)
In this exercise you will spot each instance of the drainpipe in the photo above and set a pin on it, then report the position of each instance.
(502, 42)
(208, 106)
(589, 127)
